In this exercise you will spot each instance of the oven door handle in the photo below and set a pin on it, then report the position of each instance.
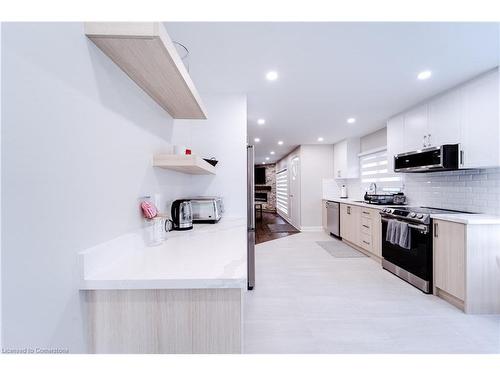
(422, 228)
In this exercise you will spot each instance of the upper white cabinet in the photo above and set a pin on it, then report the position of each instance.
(345, 158)
(444, 119)
(480, 136)
(144, 51)
(395, 137)
(468, 115)
(416, 128)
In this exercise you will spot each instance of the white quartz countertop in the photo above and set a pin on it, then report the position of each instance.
(463, 218)
(209, 256)
(355, 202)
(469, 219)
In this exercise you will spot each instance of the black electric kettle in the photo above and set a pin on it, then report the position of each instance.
(182, 214)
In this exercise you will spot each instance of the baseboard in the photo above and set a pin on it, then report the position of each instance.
(311, 229)
(457, 302)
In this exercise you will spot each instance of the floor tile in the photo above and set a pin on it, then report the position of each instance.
(306, 301)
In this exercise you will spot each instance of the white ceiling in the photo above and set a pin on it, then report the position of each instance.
(331, 71)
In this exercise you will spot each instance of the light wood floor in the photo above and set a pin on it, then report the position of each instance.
(306, 301)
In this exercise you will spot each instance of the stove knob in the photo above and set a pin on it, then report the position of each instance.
(420, 216)
(413, 214)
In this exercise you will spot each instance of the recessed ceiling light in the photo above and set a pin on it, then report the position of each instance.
(272, 152)
(257, 140)
(261, 121)
(424, 75)
(272, 75)
(351, 120)
(280, 143)
(320, 139)
(267, 158)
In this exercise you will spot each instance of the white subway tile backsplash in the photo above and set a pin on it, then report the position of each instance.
(475, 190)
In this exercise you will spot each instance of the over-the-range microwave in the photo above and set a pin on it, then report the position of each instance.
(432, 159)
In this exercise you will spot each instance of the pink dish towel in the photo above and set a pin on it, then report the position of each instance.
(148, 209)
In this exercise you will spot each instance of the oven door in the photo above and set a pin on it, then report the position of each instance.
(417, 260)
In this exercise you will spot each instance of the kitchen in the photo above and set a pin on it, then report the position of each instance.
(142, 206)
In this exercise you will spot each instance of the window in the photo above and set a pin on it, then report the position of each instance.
(282, 191)
(373, 167)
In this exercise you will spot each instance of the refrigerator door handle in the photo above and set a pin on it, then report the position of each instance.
(250, 219)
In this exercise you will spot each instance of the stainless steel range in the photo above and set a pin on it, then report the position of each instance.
(413, 261)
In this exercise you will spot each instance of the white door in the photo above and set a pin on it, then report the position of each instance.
(416, 129)
(295, 191)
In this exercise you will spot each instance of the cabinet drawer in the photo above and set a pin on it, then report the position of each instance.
(366, 241)
(366, 225)
(366, 212)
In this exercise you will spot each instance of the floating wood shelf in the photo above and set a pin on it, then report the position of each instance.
(190, 164)
(145, 52)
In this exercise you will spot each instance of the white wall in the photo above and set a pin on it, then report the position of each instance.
(374, 140)
(222, 136)
(316, 164)
(78, 137)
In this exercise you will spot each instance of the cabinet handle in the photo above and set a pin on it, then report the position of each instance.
(348, 210)
(436, 230)
(461, 157)
(428, 140)
(367, 213)
(425, 141)
(338, 173)
(366, 226)
(366, 242)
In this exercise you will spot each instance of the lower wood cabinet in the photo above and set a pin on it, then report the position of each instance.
(467, 265)
(164, 321)
(361, 226)
(350, 219)
(449, 258)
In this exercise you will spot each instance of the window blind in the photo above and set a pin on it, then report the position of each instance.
(282, 191)
(374, 168)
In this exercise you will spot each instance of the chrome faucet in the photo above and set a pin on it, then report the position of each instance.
(373, 188)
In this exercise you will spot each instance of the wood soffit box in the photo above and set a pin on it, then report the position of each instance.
(145, 52)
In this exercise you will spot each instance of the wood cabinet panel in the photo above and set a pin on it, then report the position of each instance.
(449, 257)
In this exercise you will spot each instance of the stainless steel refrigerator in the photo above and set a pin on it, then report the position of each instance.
(250, 218)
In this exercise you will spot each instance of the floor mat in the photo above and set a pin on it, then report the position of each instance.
(338, 249)
(278, 228)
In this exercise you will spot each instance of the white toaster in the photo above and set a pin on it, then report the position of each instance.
(207, 209)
